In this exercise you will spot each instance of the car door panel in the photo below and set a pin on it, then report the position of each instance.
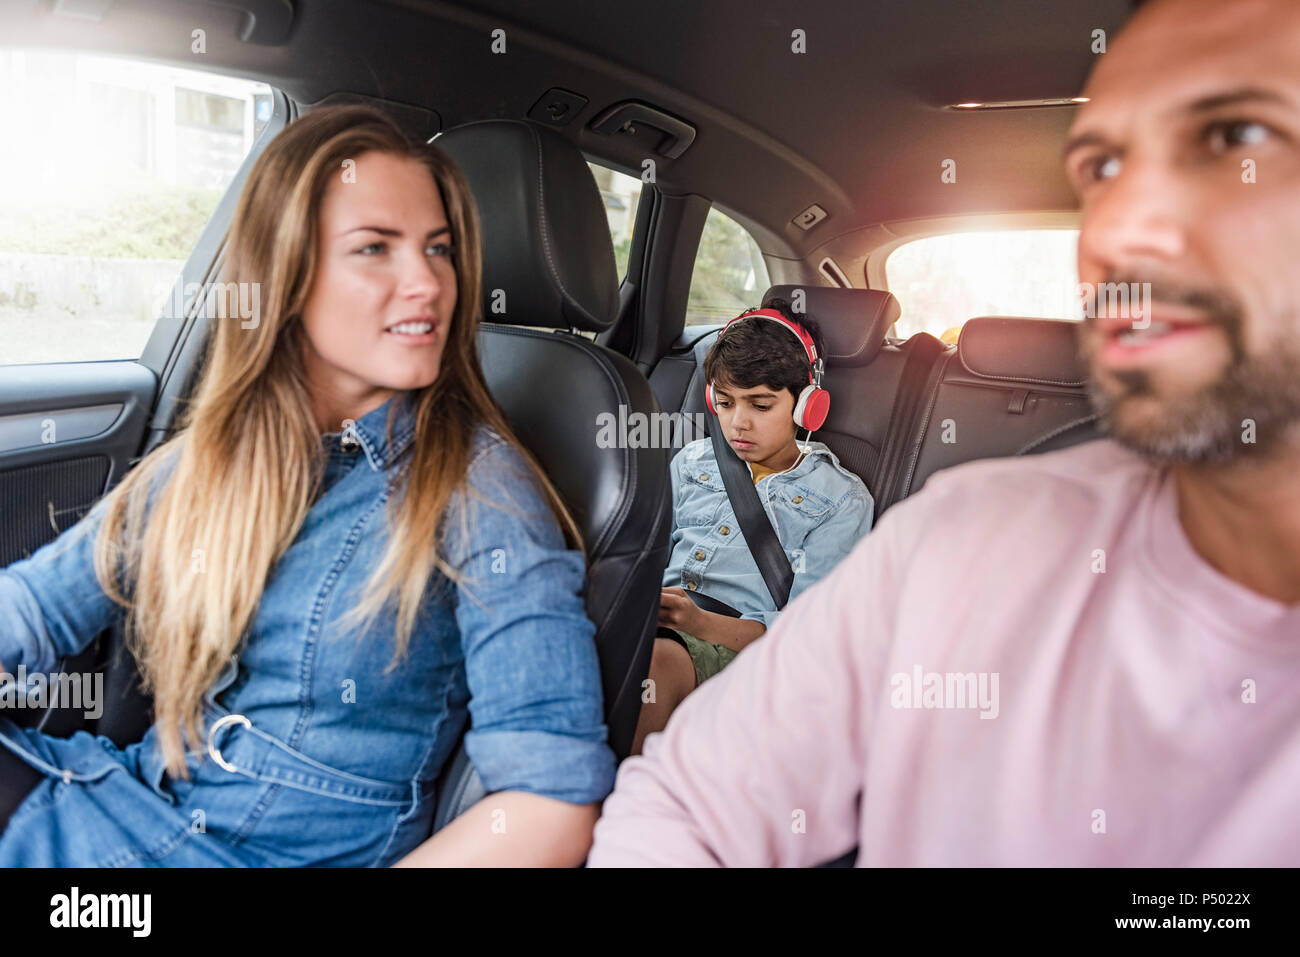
(68, 433)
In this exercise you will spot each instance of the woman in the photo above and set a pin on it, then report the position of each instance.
(345, 550)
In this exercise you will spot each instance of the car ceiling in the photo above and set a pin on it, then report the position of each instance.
(856, 124)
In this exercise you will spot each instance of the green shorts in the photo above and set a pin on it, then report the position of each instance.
(707, 658)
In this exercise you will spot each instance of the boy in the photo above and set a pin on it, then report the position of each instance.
(758, 369)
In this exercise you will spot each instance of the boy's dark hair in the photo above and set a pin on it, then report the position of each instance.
(759, 352)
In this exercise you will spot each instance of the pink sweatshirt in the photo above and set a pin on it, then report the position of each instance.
(1024, 664)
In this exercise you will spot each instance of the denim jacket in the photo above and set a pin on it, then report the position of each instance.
(317, 752)
(818, 509)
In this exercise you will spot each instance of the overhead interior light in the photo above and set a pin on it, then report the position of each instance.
(1018, 104)
(81, 9)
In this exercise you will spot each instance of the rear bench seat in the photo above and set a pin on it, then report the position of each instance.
(1011, 386)
(901, 411)
(863, 383)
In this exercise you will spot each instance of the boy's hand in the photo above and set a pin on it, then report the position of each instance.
(676, 610)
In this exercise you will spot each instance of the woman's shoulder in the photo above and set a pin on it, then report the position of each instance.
(502, 492)
(495, 456)
(486, 443)
(500, 469)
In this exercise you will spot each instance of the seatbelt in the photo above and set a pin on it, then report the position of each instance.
(925, 349)
(709, 603)
(772, 561)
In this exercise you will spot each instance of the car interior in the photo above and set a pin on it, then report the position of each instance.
(826, 132)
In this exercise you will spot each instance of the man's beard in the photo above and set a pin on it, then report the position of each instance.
(1209, 426)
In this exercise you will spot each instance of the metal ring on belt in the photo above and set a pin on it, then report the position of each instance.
(212, 735)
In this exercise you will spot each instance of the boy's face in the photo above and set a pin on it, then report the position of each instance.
(758, 423)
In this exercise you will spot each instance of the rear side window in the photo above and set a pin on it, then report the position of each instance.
(729, 274)
(621, 194)
(110, 170)
(941, 281)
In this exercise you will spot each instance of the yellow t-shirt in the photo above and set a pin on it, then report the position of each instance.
(760, 471)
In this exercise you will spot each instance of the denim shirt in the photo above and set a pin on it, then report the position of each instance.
(818, 509)
(317, 751)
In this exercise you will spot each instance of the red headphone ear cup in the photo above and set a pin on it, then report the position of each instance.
(812, 408)
(708, 398)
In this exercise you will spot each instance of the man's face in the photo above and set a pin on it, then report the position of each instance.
(1186, 161)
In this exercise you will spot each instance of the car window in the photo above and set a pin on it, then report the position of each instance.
(109, 172)
(729, 274)
(942, 281)
(621, 194)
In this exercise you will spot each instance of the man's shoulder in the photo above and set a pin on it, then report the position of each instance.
(1039, 503)
(1098, 470)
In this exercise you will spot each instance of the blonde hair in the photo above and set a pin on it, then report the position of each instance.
(248, 459)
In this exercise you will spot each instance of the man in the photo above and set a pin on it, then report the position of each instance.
(1117, 680)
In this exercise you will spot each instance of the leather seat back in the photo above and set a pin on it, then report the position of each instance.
(1012, 386)
(548, 259)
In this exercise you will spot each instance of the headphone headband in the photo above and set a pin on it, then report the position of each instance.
(813, 403)
(802, 334)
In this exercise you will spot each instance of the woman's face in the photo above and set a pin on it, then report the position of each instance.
(378, 314)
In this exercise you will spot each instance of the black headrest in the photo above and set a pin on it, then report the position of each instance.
(853, 322)
(1023, 350)
(546, 242)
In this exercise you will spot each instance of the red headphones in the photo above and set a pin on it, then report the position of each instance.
(814, 402)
